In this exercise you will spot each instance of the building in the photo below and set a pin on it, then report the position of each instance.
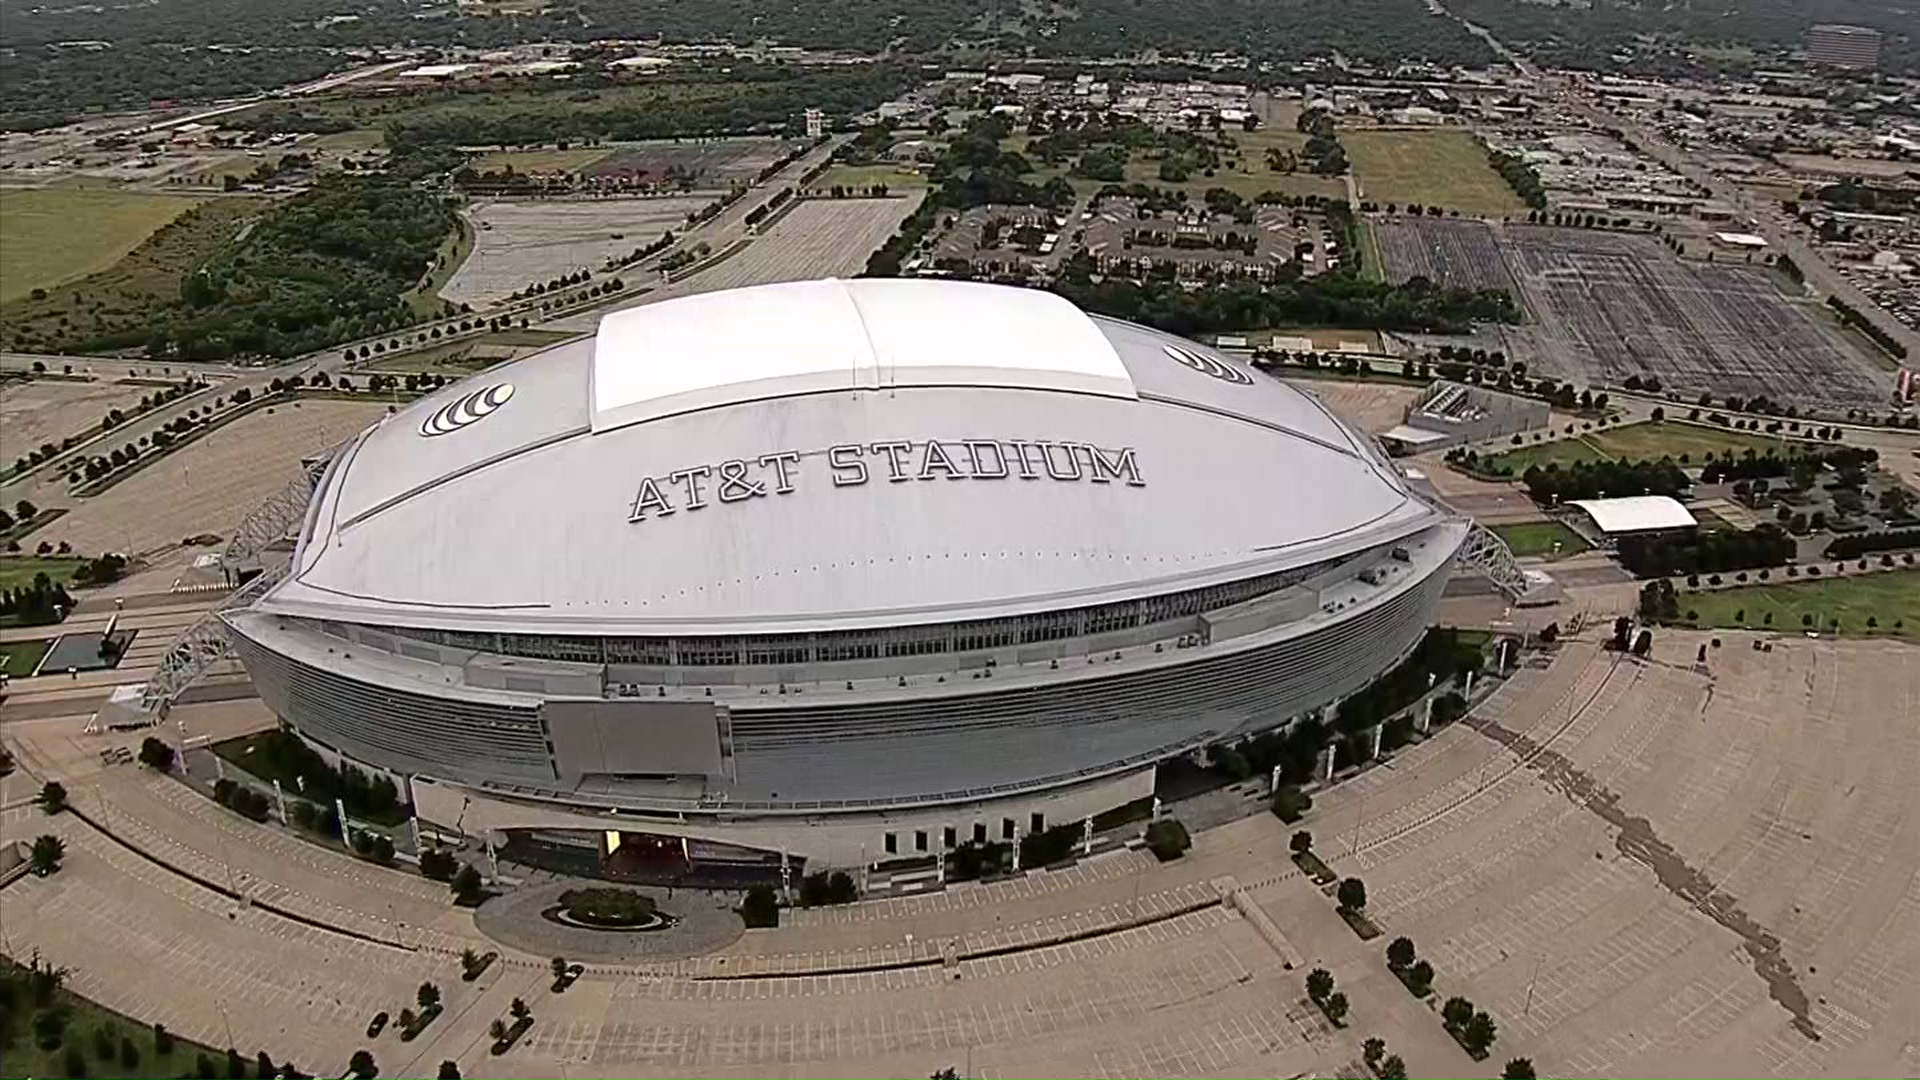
(835, 570)
(1449, 414)
(1844, 46)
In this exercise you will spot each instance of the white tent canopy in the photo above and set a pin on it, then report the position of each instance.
(1636, 513)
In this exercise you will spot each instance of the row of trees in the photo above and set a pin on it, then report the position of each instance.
(1662, 556)
(1521, 177)
(1551, 485)
(1847, 547)
(40, 602)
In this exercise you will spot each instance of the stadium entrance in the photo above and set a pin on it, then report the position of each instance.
(641, 858)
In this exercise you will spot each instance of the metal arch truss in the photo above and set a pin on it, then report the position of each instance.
(1485, 552)
(269, 523)
(205, 643)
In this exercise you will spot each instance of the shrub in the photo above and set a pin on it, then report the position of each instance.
(1400, 954)
(1290, 804)
(760, 908)
(156, 755)
(1420, 978)
(437, 864)
(607, 907)
(1168, 839)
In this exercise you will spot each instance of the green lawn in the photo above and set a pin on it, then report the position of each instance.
(865, 176)
(15, 572)
(1539, 538)
(1889, 597)
(1640, 442)
(542, 161)
(50, 236)
(1434, 168)
(18, 658)
(85, 1020)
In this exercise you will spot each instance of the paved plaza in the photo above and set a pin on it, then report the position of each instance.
(1638, 867)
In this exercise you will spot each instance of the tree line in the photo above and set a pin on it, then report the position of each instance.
(1663, 556)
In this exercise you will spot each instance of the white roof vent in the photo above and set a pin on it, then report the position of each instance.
(812, 337)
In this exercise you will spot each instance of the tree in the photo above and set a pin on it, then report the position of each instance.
(1478, 1034)
(1352, 894)
(156, 755)
(1456, 1012)
(760, 908)
(52, 797)
(129, 1056)
(48, 850)
(362, 1065)
(467, 886)
(162, 1040)
(428, 996)
(498, 1029)
(449, 1071)
(1518, 1069)
(25, 511)
(236, 1065)
(1302, 842)
(559, 967)
(204, 1066)
(1420, 978)
(1373, 1050)
(1290, 803)
(1319, 985)
(1393, 1068)
(1400, 954)
(263, 1065)
(438, 864)
(1335, 1007)
(76, 1062)
(519, 1009)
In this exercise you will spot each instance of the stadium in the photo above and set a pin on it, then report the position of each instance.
(836, 571)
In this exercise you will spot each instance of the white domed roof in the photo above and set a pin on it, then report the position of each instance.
(835, 454)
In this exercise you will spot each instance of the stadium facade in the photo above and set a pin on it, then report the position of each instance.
(848, 570)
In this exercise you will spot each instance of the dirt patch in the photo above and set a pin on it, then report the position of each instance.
(520, 243)
(48, 410)
(211, 484)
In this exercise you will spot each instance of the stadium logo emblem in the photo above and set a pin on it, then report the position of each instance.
(467, 410)
(1207, 365)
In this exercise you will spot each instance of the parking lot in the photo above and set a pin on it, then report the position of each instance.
(1459, 254)
(1612, 305)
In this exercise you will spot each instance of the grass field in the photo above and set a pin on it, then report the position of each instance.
(865, 176)
(20, 571)
(1539, 538)
(538, 161)
(1433, 168)
(151, 273)
(1888, 597)
(356, 141)
(1639, 442)
(18, 659)
(51, 236)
